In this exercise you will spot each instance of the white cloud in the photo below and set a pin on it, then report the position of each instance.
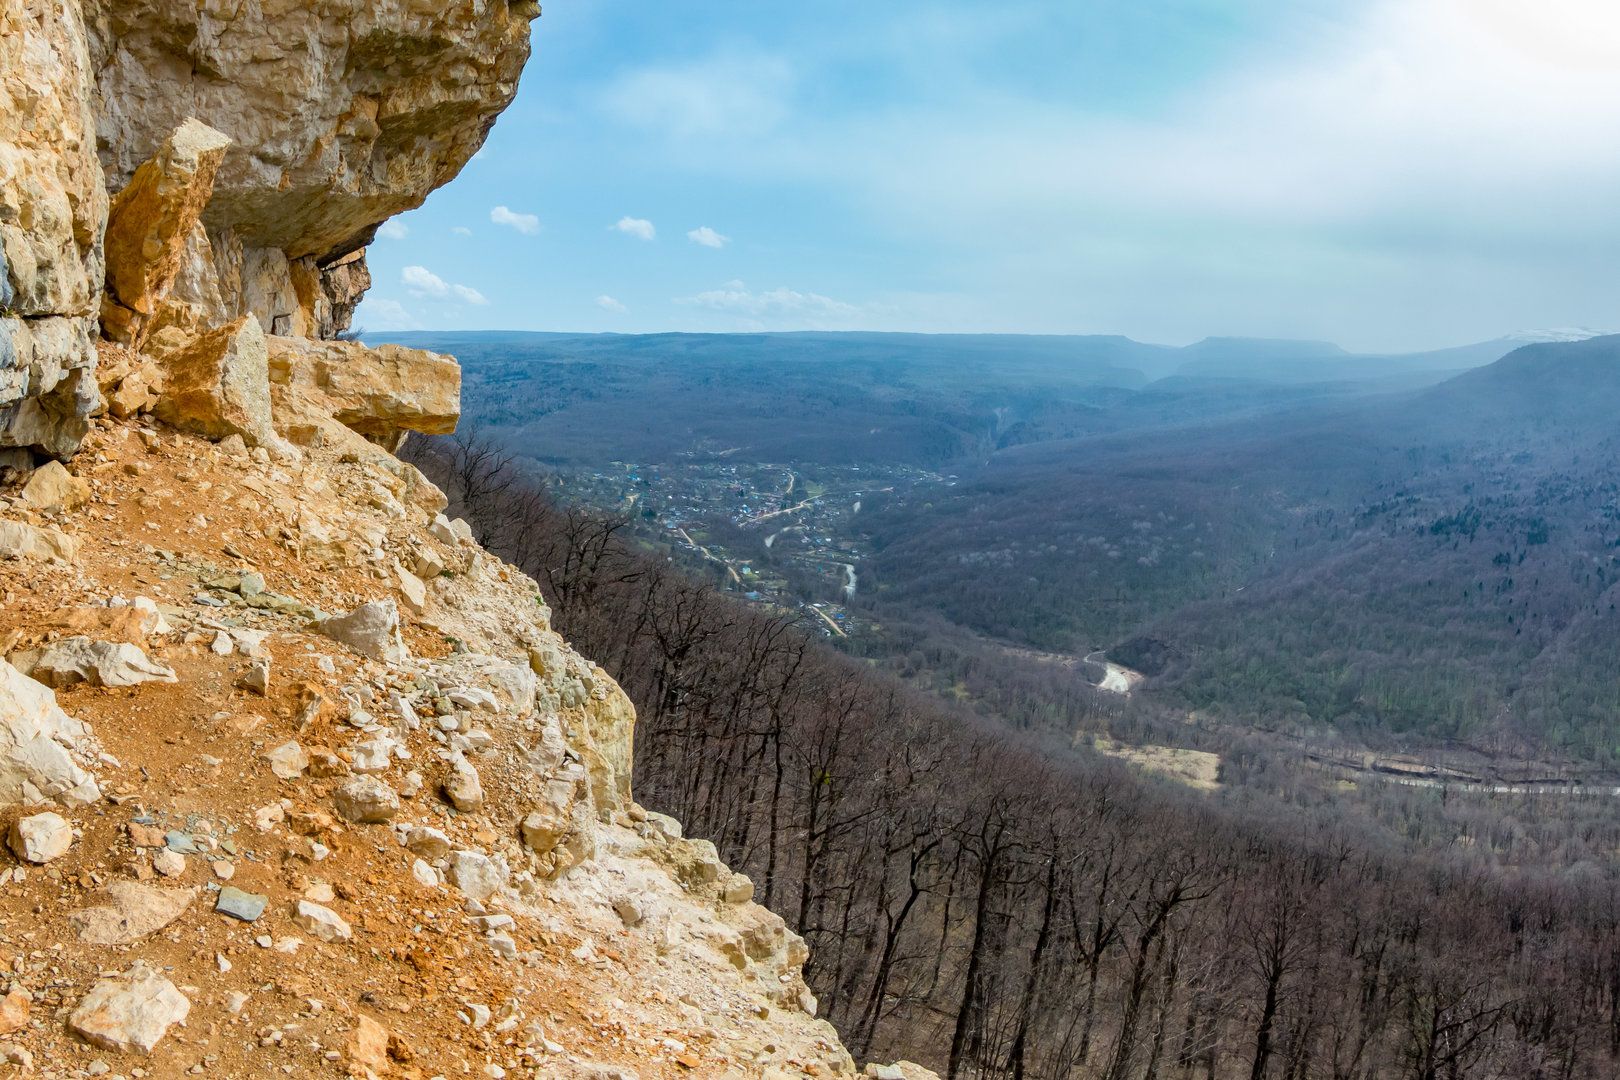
(779, 305)
(527, 224)
(460, 230)
(640, 228)
(733, 97)
(376, 313)
(425, 284)
(393, 229)
(607, 303)
(707, 237)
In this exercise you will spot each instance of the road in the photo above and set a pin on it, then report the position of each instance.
(839, 630)
(707, 554)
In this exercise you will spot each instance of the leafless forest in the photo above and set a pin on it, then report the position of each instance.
(996, 906)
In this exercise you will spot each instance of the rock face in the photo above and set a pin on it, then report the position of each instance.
(254, 152)
(377, 105)
(53, 205)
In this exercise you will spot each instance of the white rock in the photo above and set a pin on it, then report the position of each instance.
(321, 922)
(36, 740)
(425, 873)
(366, 799)
(427, 842)
(288, 761)
(99, 663)
(130, 1012)
(370, 630)
(477, 875)
(169, 863)
(40, 838)
(468, 697)
(256, 679)
(462, 787)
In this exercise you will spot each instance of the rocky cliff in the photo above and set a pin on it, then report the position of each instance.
(295, 779)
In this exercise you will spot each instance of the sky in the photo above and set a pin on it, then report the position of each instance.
(1385, 175)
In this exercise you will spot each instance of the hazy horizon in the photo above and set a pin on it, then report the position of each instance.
(1390, 176)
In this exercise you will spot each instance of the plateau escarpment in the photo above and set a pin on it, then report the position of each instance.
(294, 777)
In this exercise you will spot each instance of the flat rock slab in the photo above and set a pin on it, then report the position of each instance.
(130, 1012)
(240, 904)
(134, 911)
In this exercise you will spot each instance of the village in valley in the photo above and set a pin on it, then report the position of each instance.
(780, 536)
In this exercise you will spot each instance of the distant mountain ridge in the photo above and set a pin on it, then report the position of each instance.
(1106, 359)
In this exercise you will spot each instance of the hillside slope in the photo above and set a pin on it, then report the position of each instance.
(295, 779)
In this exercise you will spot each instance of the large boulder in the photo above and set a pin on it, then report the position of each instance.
(219, 385)
(148, 225)
(37, 745)
(380, 393)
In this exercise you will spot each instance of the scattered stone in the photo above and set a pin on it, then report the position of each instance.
(428, 564)
(411, 590)
(288, 760)
(169, 863)
(133, 911)
(240, 904)
(629, 910)
(322, 922)
(462, 787)
(146, 836)
(130, 1012)
(14, 1011)
(425, 873)
(257, 678)
(368, 1046)
(739, 889)
(268, 817)
(477, 875)
(427, 842)
(99, 663)
(40, 838)
(218, 384)
(367, 800)
(222, 645)
(441, 531)
(52, 487)
(467, 697)
(370, 630)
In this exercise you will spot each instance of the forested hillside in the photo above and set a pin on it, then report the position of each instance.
(995, 905)
(1427, 568)
(1439, 564)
